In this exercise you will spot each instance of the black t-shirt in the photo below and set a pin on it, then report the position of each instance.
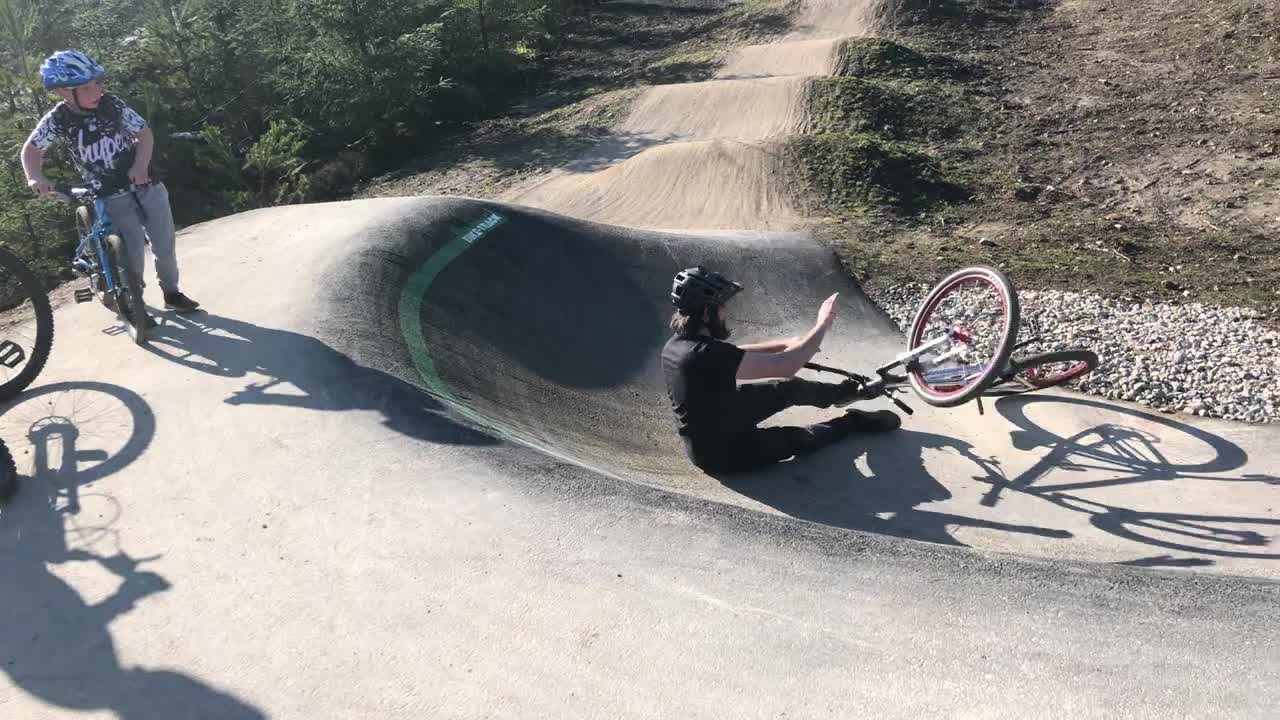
(701, 381)
(102, 142)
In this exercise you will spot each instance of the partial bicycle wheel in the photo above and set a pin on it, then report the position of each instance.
(8, 472)
(26, 325)
(1050, 369)
(973, 316)
(129, 291)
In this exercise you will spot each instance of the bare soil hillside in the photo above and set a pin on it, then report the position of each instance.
(1128, 148)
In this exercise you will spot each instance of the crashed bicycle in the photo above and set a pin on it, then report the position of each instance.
(945, 363)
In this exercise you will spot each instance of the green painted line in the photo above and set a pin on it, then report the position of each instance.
(415, 291)
(411, 299)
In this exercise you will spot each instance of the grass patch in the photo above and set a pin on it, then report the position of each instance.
(685, 67)
(595, 113)
(850, 170)
(865, 150)
(841, 104)
(872, 57)
(919, 110)
(966, 12)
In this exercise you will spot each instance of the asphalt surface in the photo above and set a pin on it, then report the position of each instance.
(322, 537)
(548, 329)
(414, 459)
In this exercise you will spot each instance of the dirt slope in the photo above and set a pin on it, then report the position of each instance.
(1127, 147)
(733, 182)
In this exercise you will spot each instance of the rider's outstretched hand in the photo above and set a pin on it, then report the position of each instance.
(827, 313)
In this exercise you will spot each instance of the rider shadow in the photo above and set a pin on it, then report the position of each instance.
(829, 488)
(305, 373)
(54, 643)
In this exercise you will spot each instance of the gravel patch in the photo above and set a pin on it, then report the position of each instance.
(1199, 359)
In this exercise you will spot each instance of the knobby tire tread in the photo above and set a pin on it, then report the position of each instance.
(34, 290)
(132, 286)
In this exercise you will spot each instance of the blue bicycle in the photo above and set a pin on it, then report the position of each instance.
(103, 259)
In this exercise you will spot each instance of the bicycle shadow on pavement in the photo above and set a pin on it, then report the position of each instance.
(55, 644)
(305, 373)
(829, 488)
(1121, 452)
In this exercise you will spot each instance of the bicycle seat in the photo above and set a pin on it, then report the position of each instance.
(79, 192)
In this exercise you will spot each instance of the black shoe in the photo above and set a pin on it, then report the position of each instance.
(177, 301)
(874, 421)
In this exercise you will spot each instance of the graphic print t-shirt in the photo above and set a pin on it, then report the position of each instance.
(102, 142)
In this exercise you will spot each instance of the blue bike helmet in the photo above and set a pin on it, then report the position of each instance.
(697, 287)
(69, 68)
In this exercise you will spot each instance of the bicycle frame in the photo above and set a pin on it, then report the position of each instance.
(887, 383)
(100, 228)
(960, 373)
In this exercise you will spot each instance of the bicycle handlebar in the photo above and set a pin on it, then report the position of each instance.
(72, 192)
(870, 388)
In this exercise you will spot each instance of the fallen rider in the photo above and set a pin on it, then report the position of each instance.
(716, 417)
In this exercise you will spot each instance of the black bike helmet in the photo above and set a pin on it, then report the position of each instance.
(697, 287)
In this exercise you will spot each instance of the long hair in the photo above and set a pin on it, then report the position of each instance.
(683, 323)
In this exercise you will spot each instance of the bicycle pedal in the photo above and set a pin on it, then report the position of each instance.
(84, 295)
(11, 354)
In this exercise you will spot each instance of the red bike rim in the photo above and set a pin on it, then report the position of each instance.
(1037, 377)
(915, 340)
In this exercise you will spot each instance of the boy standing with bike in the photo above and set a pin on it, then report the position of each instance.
(111, 146)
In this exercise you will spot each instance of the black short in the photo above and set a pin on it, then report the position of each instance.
(756, 447)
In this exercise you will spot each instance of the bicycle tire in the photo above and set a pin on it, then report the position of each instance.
(8, 472)
(84, 224)
(34, 291)
(1009, 336)
(1087, 362)
(129, 290)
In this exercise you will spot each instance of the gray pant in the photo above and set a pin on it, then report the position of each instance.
(157, 226)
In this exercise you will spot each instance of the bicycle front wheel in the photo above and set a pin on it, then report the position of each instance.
(26, 325)
(129, 291)
(8, 472)
(970, 321)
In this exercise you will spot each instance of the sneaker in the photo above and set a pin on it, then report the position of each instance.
(177, 301)
(872, 421)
